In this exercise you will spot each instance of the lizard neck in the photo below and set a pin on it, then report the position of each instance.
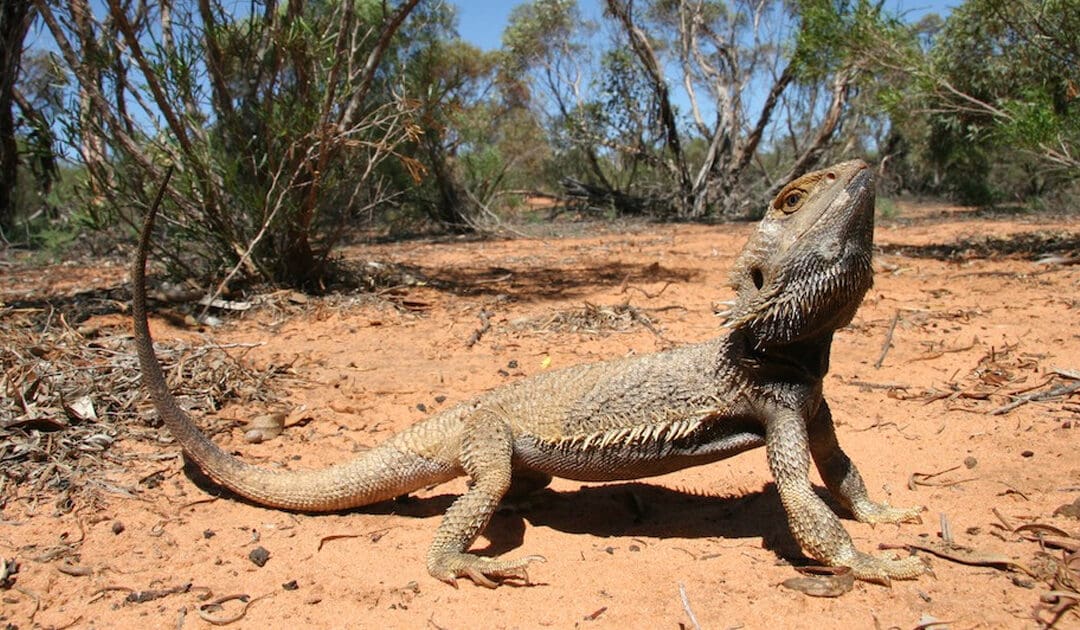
(805, 361)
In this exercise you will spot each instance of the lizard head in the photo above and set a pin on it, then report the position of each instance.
(805, 271)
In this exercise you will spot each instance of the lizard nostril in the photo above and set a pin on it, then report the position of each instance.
(830, 176)
(757, 277)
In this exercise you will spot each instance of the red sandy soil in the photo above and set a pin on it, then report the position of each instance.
(971, 329)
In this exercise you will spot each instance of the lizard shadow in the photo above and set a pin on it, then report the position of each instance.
(612, 510)
(640, 509)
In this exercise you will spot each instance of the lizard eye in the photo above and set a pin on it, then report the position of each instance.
(790, 200)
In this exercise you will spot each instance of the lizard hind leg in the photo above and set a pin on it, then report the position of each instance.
(486, 453)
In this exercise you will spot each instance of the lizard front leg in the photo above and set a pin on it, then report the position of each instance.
(843, 478)
(813, 524)
(486, 451)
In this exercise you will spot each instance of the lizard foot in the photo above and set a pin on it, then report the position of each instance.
(883, 570)
(873, 513)
(488, 572)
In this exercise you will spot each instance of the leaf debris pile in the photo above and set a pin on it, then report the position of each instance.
(68, 397)
(1006, 379)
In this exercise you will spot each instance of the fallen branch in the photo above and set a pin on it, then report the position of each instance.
(1060, 390)
(964, 555)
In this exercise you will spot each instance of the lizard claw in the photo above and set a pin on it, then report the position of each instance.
(486, 572)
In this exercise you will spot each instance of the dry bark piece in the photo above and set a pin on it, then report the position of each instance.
(149, 595)
(74, 570)
(81, 409)
(1049, 536)
(265, 427)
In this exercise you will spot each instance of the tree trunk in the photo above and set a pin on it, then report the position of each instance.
(639, 44)
(14, 22)
(92, 144)
(451, 209)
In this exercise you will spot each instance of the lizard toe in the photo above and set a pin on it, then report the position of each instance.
(883, 570)
(873, 513)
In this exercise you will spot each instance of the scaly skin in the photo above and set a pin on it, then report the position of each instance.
(800, 277)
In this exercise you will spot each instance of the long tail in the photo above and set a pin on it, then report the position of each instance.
(388, 470)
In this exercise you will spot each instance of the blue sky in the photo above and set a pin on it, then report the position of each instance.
(481, 22)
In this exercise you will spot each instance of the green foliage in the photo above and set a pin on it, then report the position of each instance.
(52, 220)
(473, 134)
(1033, 119)
(835, 33)
(989, 102)
(535, 28)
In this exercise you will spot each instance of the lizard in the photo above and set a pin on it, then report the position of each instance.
(800, 277)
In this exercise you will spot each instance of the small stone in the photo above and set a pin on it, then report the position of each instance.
(1022, 582)
(421, 407)
(208, 534)
(970, 462)
(440, 399)
(117, 527)
(259, 556)
(513, 364)
(1027, 454)
(291, 585)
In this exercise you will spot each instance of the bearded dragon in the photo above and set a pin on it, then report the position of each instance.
(800, 277)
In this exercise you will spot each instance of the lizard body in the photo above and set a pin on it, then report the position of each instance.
(800, 277)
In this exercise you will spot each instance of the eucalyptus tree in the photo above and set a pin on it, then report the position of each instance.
(697, 107)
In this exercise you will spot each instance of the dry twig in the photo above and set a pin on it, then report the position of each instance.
(888, 340)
